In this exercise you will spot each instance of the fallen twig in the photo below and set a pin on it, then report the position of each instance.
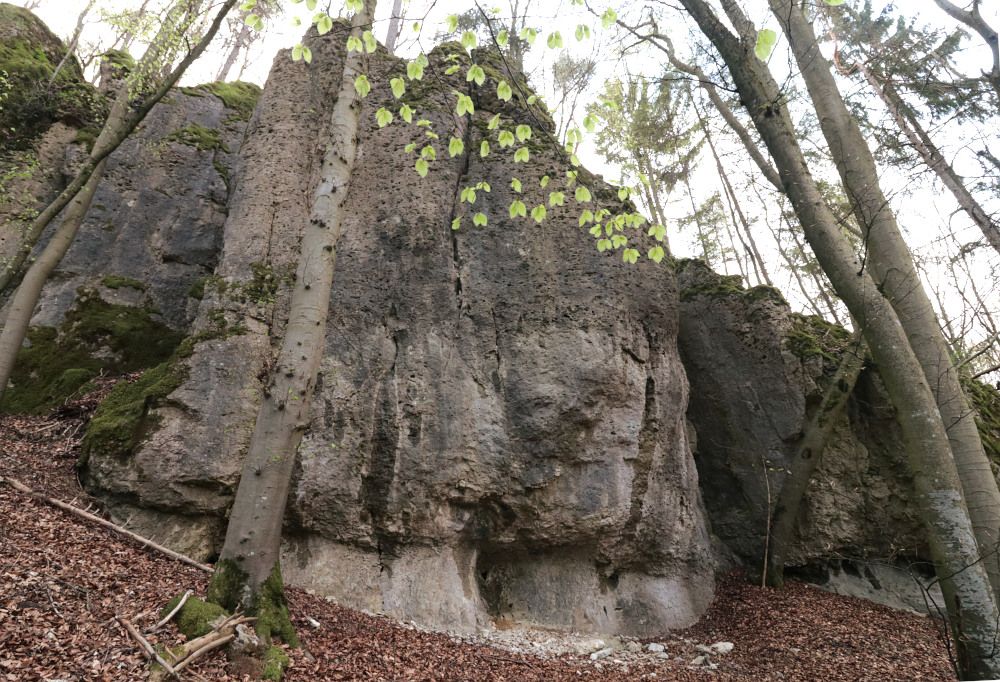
(204, 650)
(147, 647)
(16, 485)
(173, 612)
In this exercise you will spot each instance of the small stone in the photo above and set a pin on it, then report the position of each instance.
(603, 653)
(655, 648)
(722, 648)
(633, 647)
(699, 660)
(701, 648)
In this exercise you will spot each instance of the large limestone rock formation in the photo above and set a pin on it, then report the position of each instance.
(499, 427)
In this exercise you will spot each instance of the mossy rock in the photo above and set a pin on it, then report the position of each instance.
(239, 96)
(196, 617)
(811, 336)
(199, 137)
(985, 399)
(95, 337)
(276, 662)
(32, 94)
(228, 588)
(119, 282)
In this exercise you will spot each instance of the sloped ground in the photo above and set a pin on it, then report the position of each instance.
(63, 581)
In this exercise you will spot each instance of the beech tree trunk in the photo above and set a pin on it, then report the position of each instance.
(395, 26)
(964, 581)
(248, 574)
(122, 120)
(892, 266)
(974, 20)
(73, 42)
(241, 40)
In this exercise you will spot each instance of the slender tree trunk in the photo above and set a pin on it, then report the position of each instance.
(129, 36)
(395, 26)
(73, 42)
(248, 574)
(974, 20)
(702, 237)
(239, 42)
(815, 438)
(653, 197)
(122, 120)
(892, 265)
(932, 156)
(968, 595)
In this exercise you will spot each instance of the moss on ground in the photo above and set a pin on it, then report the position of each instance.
(196, 617)
(199, 137)
(95, 337)
(239, 96)
(276, 661)
(228, 588)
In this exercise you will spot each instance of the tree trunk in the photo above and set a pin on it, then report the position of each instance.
(395, 26)
(73, 42)
(122, 120)
(964, 581)
(248, 574)
(239, 42)
(932, 156)
(814, 440)
(974, 20)
(892, 266)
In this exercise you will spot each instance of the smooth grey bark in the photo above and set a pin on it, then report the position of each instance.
(241, 40)
(73, 42)
(964, 581)
(931, 155)
(122, 120)
(815, 437)
(974, 20)
(395, 26)
(250, 553)
(891, 263)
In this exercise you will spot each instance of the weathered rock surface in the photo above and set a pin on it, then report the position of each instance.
(499, 429)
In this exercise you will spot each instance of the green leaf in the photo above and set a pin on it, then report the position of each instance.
(603, 245)
(323, 24)
(557, 199)
(596, 230)
(544, 181)
(453, 69)
(476, 74)
(415, 68)
(406, 113)
(354, 44)
(428, 152)
(582, 32)
(515, 185)
(582, 195)
(410, 148)
(522, 155)
(504, 92)
(469, 40)
(384, 117)
(619, 240)
(587, 216)
(307, 55)
(311, 5)
(523, 132)
(658, 232)
(555, 40)
(503, 38)
(485, 186)
(506, 139)
(517, 208)
(248, 5)
(370, 43)
(362, 86)
(528, 35)
(834, 3)
(297, 52)
(422, 167)
(452, 23)
(484, 149)
(623, 193)
(354, 5)
(398, 86)
(464, 105)
(456, 223)
(656, 254)
(590, 122)
(494, 123)
(766, 40)
(479, 220)
(609, 18)
(455, 147)
(468, 195)
(630, 255)
(538, 213)
(574, 160)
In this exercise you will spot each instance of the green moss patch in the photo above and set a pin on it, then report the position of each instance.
(239, 96)
(95, 337)
(229, 587)
(811, 336)
(196, 617)
(119, 282)
(985, 400)
(276, 661)
(199, 137)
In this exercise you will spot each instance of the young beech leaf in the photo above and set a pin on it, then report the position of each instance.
(582, 195)
(479, 219)
(362, 86)
(656, 254)
(609, 18)
(603, 245)
(595, 231)
(422, 167)
(590, 122)
(528, 35)
(587, 216)
(354, 5)
(410, 148)
(766, 40)
(297, 53)
(428, 153)
(494, 123)
(484, 149)
(452, 23)
(557, 199)
(504, 92)
(456, 223)
(476, 74)
(522, 155)
(503, 38)
(538, 213)
(311, 5)
(630, 255)
(523, 132)
(406, 113)
(453, 69)
(582, 32)
(384, 117)
(464, 105)
(468, 195)
(515, 185)
(455, 147)
(517, 208)
(370, 43)
(658, 232)
(623, 193)
(398, 86)
(505, 138)
(469, 40)
(354, 44)
(555, 40)
(619, 240)
(323, 24)
(543, 182)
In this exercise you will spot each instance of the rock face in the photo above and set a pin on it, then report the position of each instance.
(756, 371)
(499, 428)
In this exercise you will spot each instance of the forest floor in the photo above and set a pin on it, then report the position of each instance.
(64, 580)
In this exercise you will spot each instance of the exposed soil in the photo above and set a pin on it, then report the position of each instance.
(63, 580)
